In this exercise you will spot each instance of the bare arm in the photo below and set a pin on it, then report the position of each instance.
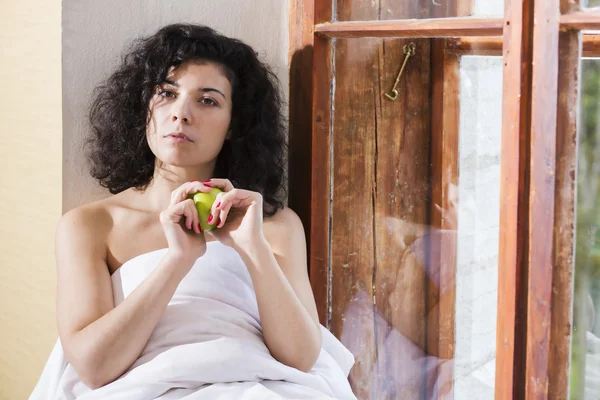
(102, 341)
(286, 304)
(99, 340)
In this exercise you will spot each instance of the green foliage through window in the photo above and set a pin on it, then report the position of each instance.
(585, 352)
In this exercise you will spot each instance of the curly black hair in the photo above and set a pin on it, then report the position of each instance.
(254, 156)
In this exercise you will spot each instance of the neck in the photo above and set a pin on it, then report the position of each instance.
(167, 179)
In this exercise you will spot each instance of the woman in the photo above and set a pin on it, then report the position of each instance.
(148, 304)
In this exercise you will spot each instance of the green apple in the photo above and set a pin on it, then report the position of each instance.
(204, 202)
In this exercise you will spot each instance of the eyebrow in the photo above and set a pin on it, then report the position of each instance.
(203, 90)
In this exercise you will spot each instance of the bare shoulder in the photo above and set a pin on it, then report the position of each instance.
(86, 226)
(284, 229)
(97, 217)
(94, 216)
(84, 291)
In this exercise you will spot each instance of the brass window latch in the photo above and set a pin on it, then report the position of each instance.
(409, 50)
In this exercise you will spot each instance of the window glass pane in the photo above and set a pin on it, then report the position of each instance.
(356, 10)
(478, 226)
(488, 8)
(585, 353)
(414, 278)
(590, 3)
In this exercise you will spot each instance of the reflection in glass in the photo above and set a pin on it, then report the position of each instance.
(585, 353)
(393, 302)
(357, 10)
(478, 227)
(488, 8)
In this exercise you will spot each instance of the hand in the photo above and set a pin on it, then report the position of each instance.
(239, 215)
(181, 224)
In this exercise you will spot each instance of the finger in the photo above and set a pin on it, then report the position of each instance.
(177, 194)
(185, 210)
(173, 214)
(195, 218)
(182, 192)
(217, 204)
(201, 186)
(224, 199)
(240, 198)
(223, 184)
(197, 228)
(189, 214)
(223, 213)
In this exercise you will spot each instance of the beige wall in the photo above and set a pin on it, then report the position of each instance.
(43, 171)
(30, 190)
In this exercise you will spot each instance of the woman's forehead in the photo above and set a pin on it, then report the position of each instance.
(198, 73)
(195, 68)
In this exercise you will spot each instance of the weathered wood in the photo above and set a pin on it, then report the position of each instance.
(321, 186)
(480, 46)
(512, 320)
(564, 210)
(380, 155)
(323, 11)
(403, 298)
(302, 22)
(414, 28)
(300, 111)
(418, 8)
(535, 250)
(591, 45)
(445, 113)
(352, 214)
(320, 258)
(541, 206)
(580, 20)
(492, 46)
(444, 164)
(564, 216)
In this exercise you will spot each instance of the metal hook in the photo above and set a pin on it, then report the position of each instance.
(409, 50)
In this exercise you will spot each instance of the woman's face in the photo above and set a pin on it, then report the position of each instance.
(191, 113)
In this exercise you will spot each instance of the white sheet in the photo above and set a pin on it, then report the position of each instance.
(207, 345)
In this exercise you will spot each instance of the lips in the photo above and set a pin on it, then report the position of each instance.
(179, 135)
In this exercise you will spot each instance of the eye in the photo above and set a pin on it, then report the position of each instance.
(208, 101)
(166, 93)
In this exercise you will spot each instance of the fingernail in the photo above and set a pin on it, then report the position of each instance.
(210, 218)
(218, 221)
(208, 180)
(218, 204)
(206, 184)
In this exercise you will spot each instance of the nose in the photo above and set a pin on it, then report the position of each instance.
(181, 111)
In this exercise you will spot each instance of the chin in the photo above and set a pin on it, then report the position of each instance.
(175, 156)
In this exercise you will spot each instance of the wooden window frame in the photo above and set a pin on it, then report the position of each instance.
(492, 46)
(426, 28)
(538, 165)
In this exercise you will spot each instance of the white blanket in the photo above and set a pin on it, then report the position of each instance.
(207, 345)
